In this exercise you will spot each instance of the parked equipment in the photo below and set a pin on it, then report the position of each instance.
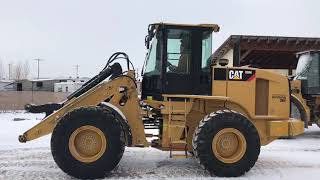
(222, 114)
(305, 87)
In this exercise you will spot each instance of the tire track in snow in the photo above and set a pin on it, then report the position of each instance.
(284, 159)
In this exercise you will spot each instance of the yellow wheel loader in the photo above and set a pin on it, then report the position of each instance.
(221, 114)
(305, 88)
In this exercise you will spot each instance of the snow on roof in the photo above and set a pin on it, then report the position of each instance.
(6, 81)
(54, 79)
(42, 79)
(69, 83)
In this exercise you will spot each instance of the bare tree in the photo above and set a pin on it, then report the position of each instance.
(18, 71)
(26, 70)
(2, 73)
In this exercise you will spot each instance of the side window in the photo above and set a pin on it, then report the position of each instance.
(313, 73)
(154, 57)
(152, 66)
(206, 51)
(178, 51)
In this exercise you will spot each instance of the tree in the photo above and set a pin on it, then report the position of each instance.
(18, 71)
(26, 70)
(2, 73)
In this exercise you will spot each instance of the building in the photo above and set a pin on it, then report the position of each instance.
(70, 85)
(6, 85)
(268, 52)
(36, 84)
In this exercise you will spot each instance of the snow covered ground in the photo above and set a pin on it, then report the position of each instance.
(283, 159)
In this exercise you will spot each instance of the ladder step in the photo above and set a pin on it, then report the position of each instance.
(180, 156)
(178, 118)
(178, 112)
(151, 135)
(174, 112)
(177, 126)
(179, 142)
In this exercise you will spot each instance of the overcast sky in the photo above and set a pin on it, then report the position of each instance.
(66, 33)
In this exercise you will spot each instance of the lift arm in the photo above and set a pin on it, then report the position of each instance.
(113, 91)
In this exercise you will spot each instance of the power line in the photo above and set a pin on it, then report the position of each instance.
(38, 65)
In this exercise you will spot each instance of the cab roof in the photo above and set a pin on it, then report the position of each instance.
(213, 27)
(308, 51)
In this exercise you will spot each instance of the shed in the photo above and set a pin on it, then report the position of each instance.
(6, 85)
(36, 84)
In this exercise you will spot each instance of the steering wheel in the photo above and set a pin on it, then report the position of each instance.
(171, 67)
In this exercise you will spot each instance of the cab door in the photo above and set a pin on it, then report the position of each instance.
(178, 70)
(187, 62)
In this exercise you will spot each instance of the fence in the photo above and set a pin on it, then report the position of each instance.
(15, 100)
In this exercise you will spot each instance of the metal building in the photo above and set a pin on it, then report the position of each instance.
(36, 84)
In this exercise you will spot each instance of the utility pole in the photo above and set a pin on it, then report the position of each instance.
(10, 66)
(38, 65)
(77, 70)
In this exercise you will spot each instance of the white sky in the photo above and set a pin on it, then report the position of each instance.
(69, 32)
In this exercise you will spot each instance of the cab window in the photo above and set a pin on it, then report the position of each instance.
(313, 72)
(206, 51)
(153, 59)
(178, 51)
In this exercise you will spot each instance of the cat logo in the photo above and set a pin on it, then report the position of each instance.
(235, 74)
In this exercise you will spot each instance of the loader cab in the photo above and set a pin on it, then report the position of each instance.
(178, 60)
(308, 72)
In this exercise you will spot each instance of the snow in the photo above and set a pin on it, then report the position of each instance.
(10, 130)
(296, 158)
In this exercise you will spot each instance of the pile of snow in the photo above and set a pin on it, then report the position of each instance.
(296, 158)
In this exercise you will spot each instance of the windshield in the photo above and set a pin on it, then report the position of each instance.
(304, 64)
(152, 64)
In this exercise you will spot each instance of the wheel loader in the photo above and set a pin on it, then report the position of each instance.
(305, 88)
(219, 115)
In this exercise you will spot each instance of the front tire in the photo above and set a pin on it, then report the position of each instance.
(226, 144)
(88, 142)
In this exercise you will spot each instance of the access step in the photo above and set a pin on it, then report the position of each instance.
(180, 156)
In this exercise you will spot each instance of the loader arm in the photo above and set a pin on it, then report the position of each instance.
(116, 90)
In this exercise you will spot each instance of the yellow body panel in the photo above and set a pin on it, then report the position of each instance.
(296, 127)
(278, 128)
(291, 127)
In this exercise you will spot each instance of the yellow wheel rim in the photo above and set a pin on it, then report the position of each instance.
(229, 145)
(87, 144)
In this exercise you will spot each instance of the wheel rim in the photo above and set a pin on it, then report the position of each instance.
(87, 144)
(229, 145)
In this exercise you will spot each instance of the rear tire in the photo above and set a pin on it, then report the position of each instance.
(237, 148)
(108, 129)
